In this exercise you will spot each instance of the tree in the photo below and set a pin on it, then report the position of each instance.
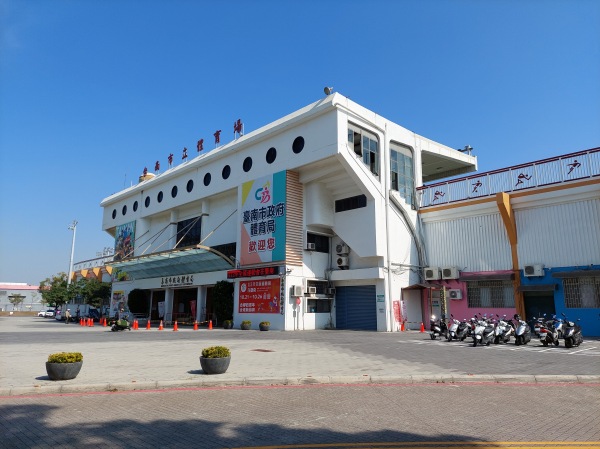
(94, 292)
(137, 301)
(222, 299)
(16, 299)
(55, 291)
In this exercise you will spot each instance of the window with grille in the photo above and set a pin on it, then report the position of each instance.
(497, 294)
(583, 292)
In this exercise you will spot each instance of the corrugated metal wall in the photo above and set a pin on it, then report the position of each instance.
(559, 235)
(476, 243)
(294, 223)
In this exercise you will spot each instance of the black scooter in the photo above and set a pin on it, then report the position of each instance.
(572, 332)
(438, 328)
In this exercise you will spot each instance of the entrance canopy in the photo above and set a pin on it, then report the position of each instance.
(193, 259)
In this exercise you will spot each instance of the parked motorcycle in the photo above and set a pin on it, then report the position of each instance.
(504, 330)
(572, 332)
(522, 332)
(458, 330)
(120, 325)
(483, 333)
(549, 331)
(438, 328)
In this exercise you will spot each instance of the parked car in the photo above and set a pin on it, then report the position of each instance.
(42, 313)
(49, 313)
(94, 314)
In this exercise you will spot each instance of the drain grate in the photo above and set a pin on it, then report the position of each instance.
(262, 350)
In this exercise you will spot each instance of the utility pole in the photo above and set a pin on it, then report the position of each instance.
(72, 227)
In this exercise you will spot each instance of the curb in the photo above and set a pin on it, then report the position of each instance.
(212, 382)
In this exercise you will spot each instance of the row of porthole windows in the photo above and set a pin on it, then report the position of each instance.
(297, 147)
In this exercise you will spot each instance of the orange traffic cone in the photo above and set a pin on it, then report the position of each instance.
(402, 327)
(422, 327)
(195, 325)
(210, 324)
(103, 322)
(175, 328)
(134, 325)
(81, 321)
(148, 325)
(160, 326)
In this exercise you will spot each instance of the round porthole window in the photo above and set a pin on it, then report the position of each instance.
(271, 155)
(190, 186)
(174, 192)
(247, 164)
(135, 206)
(124, 210)
(147, 202)
(298, 144)
(114, 214)
(207, 179)
(159, 197)
(226, 172)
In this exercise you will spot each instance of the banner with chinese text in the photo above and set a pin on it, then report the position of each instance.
(260, 296)
(263, 219)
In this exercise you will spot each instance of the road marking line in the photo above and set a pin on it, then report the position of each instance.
(581, 350)
(441, 445)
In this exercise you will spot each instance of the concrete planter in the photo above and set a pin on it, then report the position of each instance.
(214, 365)
(63, 371)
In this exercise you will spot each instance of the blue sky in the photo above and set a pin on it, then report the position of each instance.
(92, 91)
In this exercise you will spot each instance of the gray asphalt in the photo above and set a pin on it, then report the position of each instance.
(152, 359)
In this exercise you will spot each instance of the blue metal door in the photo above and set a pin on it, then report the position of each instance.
(356, 308)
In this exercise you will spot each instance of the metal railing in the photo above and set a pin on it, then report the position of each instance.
(555, 170)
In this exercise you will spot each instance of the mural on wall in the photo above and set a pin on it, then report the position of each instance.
(124, 239)
(117, 302)
(260, 296)
(263, 219)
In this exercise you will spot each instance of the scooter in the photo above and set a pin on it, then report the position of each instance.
(120, 325)
(453, 328)
(572, 333)
(549, 332)
(483, 334)
(438, 328)
(503, 330)
(522, 332)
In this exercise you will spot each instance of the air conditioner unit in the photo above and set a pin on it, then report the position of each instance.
(297, 290)
(449, 273)
(330, 291)
(454, 293)
(431, 273)
(342, 249)
(311, 246)
(342, 261)
(533, 270)
(312, 290)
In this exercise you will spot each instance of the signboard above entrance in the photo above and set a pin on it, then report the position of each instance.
(254, 272)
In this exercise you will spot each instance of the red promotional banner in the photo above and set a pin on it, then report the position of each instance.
(260, 296)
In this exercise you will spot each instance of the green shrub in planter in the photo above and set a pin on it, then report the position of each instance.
(265, 323)
(216, 352)
(65, 357)
(227, 324)
(215, 359)
(246, 325)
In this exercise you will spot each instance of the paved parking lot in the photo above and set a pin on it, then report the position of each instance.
(161, 359)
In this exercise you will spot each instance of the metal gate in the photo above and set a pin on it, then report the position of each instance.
(356, 308)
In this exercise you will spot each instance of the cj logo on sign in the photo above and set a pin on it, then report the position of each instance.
(263, 194)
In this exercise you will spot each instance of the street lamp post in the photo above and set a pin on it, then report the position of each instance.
(72, 227)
